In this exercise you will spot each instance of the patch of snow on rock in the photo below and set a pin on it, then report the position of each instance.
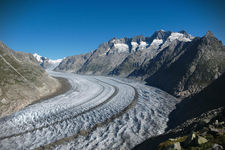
(143, 45)
(121, 47)
(156, 42)
(38, 57)
(134, 46)
(178, 36)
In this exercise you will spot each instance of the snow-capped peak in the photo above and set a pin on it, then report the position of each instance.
(47, 63)
(39, 58)
(158, 41)
(121, 47)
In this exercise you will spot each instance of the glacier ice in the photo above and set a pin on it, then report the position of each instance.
(96, 113)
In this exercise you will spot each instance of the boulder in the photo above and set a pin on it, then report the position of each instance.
(200, 140)
(206, 121)
(214, 131)
(190, 139)
(174, 146)
(4, 101)
(217, 147)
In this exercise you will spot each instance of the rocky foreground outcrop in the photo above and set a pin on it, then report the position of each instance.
(206, 131)
(22, 80)
(196, 123)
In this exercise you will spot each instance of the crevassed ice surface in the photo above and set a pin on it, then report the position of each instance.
(96, 113)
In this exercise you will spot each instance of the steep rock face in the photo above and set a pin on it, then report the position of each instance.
(122, 56)
(173, 61)
(22, 80)
(212, 97)
(156, 43)
(196, 113)
(185, 68)
(72, 63)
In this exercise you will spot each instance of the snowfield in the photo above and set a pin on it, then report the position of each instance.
(96, 113)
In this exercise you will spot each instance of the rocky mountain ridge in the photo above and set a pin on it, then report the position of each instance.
(113, 55)
(186, 63)
(187, 68)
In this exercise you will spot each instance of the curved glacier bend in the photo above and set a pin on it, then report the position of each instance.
(96, 113)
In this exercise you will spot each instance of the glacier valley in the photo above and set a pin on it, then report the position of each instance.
(96, 113)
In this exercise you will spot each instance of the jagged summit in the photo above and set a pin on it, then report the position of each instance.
(161, 34)
(130, 45)
(209, 34)
(156, 59)
(209, 39)
(116, 53)
(183, 32)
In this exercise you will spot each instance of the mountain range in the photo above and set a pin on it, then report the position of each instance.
(121, 56)
(190, 68)
(187, 64)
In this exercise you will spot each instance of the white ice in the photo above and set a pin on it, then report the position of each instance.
(143, 45)
(92, 101)
(134, 46)
(178, 36)
(156, 42)
(38, 57)
(121, 47)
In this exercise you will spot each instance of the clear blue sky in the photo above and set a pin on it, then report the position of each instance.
(59, 28)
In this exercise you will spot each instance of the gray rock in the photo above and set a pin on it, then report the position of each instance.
(217, 147)
(206, 121)
(186, 64)
(190, 139)
(193, 140)
(214, 131)
(174, 146)
(122, 56)
(200, 140)
(4, 101)
(216, 123)
(72, 63)
(186, 67)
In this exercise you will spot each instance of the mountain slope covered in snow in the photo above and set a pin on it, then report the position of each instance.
(47, 63)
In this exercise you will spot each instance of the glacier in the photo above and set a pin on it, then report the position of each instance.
(96, 113)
